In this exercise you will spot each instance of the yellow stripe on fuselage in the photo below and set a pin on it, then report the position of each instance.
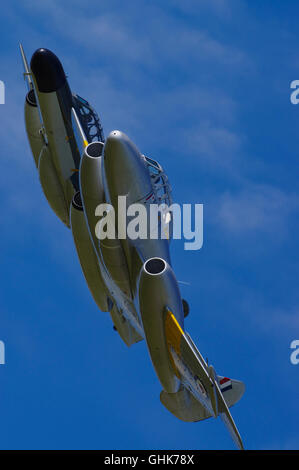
(173, 333)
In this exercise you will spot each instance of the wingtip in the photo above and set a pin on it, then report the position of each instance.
(26, 67)
(21, 48)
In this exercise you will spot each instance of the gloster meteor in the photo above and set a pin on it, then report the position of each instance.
(131, 279)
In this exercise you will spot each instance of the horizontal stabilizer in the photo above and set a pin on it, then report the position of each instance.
(214, 394)
(184, 406)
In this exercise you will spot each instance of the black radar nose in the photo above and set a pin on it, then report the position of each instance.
(47, 70)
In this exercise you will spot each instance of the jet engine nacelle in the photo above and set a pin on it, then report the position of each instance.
(92, 190)
(49, 180)
(33, 125)
(91, 186)
(51, 186)
(158, 290)
(86, 253)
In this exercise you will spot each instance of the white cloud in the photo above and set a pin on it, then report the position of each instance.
(214, 146)
(138, 32)
(221, 8)
(256, 208)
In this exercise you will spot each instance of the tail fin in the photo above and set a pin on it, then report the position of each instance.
(226, 416)
(231, 389)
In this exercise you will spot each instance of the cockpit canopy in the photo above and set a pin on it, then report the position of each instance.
(162, 194)
(89, 120)
(160, 183)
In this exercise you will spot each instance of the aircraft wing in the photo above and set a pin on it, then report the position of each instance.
(199, 378)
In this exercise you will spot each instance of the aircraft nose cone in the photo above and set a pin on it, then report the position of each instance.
(125, 170)
(47, 70)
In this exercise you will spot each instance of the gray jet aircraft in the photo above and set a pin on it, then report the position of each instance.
(130, 278)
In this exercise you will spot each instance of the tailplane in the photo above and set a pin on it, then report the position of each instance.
(185, 407)
(202, 392)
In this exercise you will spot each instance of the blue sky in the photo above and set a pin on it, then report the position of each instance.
(203, 87)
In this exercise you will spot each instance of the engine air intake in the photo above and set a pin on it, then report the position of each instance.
(94, 149)
(155, 266)
(77, 201)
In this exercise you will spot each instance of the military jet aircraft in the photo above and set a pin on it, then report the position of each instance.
(131, 278)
